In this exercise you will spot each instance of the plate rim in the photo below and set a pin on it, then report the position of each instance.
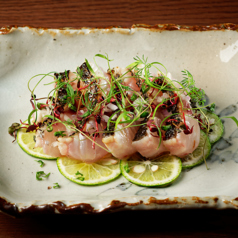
(151, 203)
(156, 27)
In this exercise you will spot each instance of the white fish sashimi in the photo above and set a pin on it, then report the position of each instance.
(149, 145)
(82, 148)
(76, 146)
(128, 79)
(92, 104)
(48, 141)
(120, 142)
(183, 144)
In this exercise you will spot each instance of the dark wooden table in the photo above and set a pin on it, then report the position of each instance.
(99, 13)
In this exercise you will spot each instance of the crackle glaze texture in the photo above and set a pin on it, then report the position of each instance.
(210, 54)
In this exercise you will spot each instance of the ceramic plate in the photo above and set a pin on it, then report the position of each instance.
(209, 53)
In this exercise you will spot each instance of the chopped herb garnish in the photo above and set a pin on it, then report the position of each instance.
(59, 134)
(41, 163)
(81, 176)
(144, 114)
(41, 174)
(133, 97)
(78, 173)
(56, 185)
(211, 108)
(126, 167)
(165, 128)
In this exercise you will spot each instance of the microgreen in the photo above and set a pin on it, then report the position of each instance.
(30, 115)
(89, 66)
(233, 118)
(197, 95)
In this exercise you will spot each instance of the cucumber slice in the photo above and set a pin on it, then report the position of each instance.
(199, 154)
(216, 128)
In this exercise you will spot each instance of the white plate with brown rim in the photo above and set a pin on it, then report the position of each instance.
(209, 53)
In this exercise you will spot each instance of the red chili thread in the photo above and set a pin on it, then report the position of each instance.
(175, 100)
(24, 123)
(188, 130)
(56, 113)
(84, 87)
(172, 120)
(43, 106)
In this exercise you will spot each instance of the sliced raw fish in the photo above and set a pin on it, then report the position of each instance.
(147, 144)
(182, 144)
(119, 143)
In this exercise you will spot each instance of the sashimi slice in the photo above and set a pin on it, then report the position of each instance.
(120, 142)
(183, 144)
(148, 145)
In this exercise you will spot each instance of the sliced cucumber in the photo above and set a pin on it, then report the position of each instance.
(216, 128)
(199, 154)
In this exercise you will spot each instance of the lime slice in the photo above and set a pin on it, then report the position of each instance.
(26, 141)
(199, 154)
(98, 173)
(216, 129)
(160, 171)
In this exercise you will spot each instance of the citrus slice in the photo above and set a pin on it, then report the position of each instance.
(199, 154)
(160, 171)
(26, 141)
(97, 173)
(216, 128)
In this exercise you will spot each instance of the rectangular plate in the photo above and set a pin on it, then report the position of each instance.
(209, 53)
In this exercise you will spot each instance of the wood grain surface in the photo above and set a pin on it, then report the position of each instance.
(99, 13)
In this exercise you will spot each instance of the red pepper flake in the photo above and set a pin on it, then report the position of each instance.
(112, 100)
